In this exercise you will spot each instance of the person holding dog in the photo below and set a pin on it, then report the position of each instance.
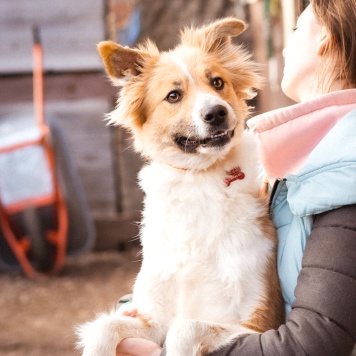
(308, 151)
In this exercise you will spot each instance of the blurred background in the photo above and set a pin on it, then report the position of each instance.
(37, 315)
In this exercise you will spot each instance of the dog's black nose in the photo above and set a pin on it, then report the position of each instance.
(215, 115)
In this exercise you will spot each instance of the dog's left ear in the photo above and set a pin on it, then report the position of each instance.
(215, 35)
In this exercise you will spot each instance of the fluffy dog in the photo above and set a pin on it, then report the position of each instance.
(209, 249)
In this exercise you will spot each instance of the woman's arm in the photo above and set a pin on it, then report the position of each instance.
(323, 319)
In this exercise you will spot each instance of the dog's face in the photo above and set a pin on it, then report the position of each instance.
(185, 107)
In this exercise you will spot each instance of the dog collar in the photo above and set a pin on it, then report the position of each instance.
(232, 175)
(179, 168)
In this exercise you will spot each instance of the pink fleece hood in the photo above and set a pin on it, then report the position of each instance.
(286, 137)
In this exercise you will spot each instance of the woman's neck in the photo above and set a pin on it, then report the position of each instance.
(317, 90)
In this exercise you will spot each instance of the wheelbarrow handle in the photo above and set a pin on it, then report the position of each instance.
(36, 35)
(38, 85)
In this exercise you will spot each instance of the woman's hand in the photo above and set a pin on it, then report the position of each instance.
(137, 347)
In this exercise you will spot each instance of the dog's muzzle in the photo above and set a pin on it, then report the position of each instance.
(215, 119)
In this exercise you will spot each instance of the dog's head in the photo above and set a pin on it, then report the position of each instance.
(185, 107)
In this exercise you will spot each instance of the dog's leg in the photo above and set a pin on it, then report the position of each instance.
(195, 337)
(101, 336)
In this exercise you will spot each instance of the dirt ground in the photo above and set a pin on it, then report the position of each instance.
(38, 317)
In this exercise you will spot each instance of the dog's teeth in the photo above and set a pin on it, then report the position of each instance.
(219, 135)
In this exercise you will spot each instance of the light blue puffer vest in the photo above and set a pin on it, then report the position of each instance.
(326, 181)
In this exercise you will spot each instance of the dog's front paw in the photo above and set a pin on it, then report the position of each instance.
(101, 336)
(183, 338)
(98, 337)
(196, 337)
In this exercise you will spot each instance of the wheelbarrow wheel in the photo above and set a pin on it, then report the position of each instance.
(42, 251)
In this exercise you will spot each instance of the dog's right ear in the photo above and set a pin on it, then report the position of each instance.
(121, 63)
(215, 35)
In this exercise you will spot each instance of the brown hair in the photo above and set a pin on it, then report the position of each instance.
(339, 18)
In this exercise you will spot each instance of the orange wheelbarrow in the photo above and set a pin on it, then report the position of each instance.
(43, 211)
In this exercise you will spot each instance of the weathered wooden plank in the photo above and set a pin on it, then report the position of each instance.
(63, 86)
(69, 31)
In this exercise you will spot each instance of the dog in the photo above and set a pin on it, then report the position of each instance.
(209, 271)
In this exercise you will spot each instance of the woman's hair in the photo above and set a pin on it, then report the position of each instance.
(339, 18)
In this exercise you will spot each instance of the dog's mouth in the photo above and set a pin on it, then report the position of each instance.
(218, 139)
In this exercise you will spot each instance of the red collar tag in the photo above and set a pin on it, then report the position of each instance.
(234, 174)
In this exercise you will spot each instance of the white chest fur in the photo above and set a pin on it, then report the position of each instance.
(201, 241)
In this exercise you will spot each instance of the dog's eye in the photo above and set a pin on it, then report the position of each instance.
(174, 96)
(217, 83)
